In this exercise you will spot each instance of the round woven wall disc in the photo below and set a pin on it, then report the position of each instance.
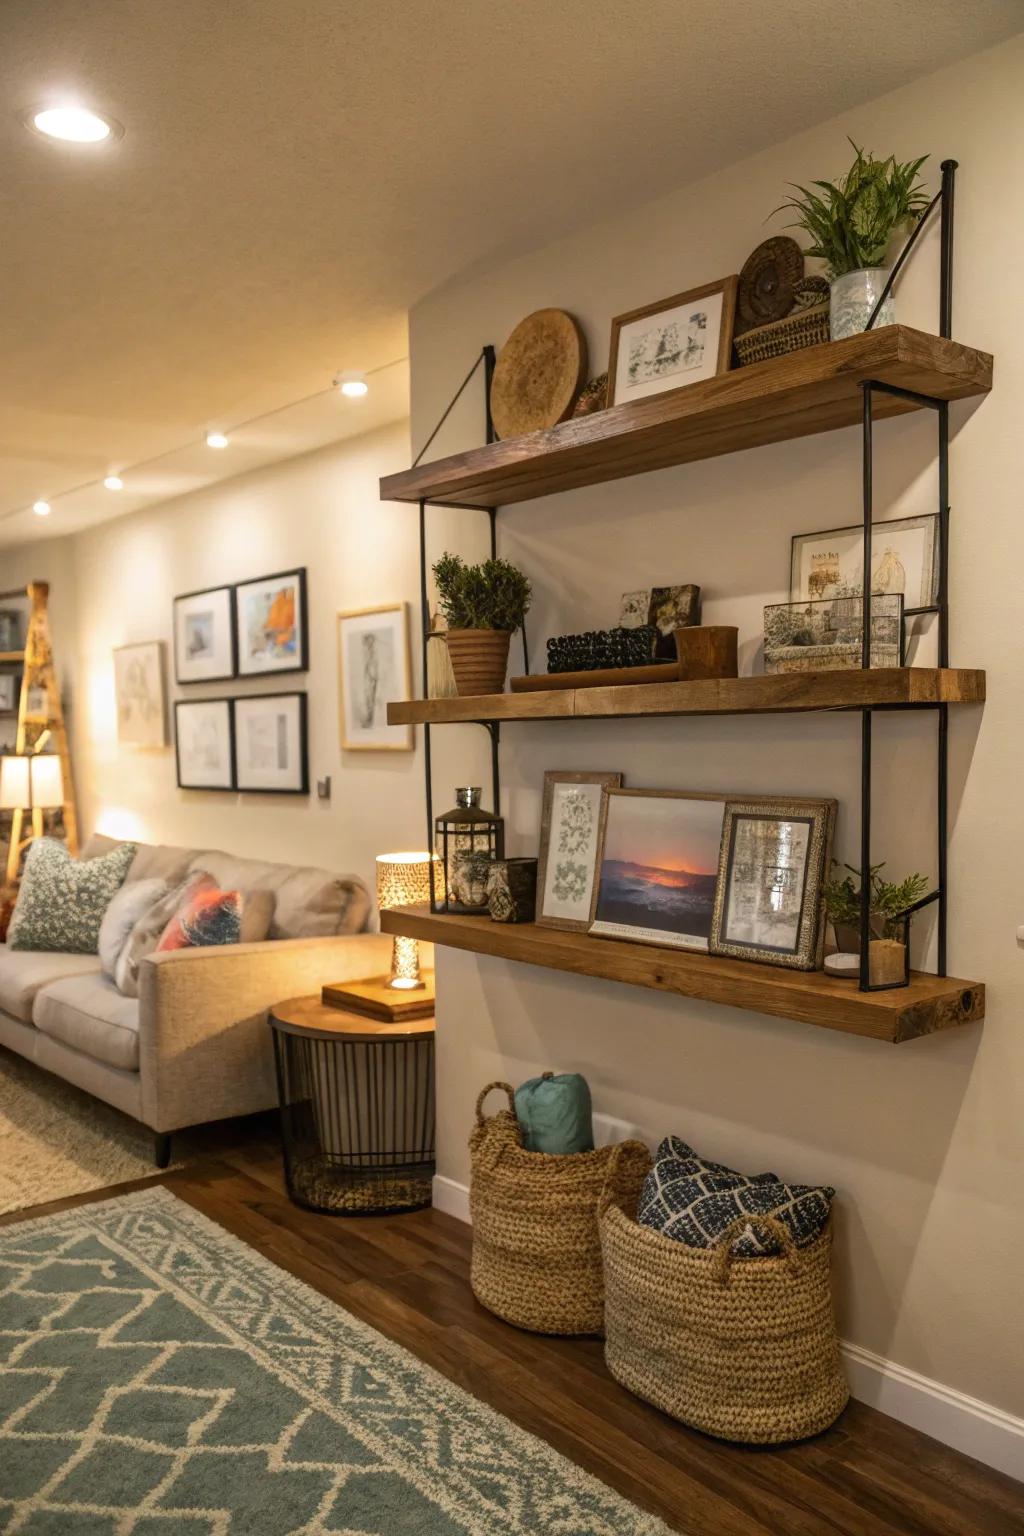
(539, 373)
(767, 281)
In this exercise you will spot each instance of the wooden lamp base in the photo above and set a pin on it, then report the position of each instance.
(376, 998)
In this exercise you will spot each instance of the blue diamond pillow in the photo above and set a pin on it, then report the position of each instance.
(62, 900)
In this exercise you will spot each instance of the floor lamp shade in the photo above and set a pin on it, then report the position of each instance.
(47, 778)
(15, 784)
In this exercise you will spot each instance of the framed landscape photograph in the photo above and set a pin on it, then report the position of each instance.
(827, 635)
(204, 744)
(658, 860)
(204, 636)
(373, 672)
(272, 624)
(569, 832)
(139, 692)
(680, 340)
(768, 905)
(904, 559)
(271, 754)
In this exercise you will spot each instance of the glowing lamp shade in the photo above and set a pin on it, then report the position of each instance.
(403, 880)
(47, 781)
(15, 789)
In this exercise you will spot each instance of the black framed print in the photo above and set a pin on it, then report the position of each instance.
(204, 743)
(272, 625)
(271, 749)
(204, 636)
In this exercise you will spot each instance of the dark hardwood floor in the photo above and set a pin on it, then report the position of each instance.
(408, 1277)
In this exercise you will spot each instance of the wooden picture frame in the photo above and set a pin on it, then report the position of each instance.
(363, 700)
(140, 694)
(675, 929)
(848, 544)
(276, 659)
(196, 623)
(10, 693)
(667, 370)
(552, 904)
(268, 778)
(762, 896)
(213, 779)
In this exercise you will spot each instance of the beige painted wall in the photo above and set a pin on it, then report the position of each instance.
(923, 1142)
(114, 584)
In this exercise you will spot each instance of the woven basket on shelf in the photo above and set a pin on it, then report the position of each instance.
(803, 328)
(536, 1247)
(745, 1349)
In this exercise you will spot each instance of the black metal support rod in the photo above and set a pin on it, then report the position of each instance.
(901, 258)
(425, 642)
(946, 251)
(454, 400)
(942, 819)
(866, 465)
(943, 595)
(492, 513)
(490, 436)
(865, 849)
(930, 402)
(494, 727)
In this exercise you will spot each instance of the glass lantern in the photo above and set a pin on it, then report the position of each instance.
(467, 840)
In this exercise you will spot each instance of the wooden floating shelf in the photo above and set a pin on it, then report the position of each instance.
(928, 1004)
(12, 655)
(814, 390)
(781, 693)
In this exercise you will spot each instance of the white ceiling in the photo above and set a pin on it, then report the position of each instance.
(295, 174)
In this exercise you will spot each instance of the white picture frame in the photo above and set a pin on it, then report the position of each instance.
(204, 636)
(904, 557)
(569, 836)
(373, 671)
(272, 624)
(204, 744)
(271, 751)
(676, 342)
(139, 694)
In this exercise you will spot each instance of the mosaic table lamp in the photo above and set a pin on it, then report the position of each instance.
(403, 879)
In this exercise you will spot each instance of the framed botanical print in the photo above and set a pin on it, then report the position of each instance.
(204, 636)
(271, 754)
(204, 744)
(139, 692)
(680, 340)
(373, 672)
(569, 831)
(272, 624)
(904, 560)
(658, 866)
(768, 904)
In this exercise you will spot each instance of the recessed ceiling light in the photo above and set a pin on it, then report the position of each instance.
(352, 384)
(114, 483)
(216, 440)
(41, 508)
(75, 125)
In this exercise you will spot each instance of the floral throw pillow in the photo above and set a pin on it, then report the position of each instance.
(209, 916)
(62, 900)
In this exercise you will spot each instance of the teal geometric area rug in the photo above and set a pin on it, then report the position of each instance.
(159, 1378)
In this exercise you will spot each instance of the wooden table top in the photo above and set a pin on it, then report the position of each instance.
(309, 1016)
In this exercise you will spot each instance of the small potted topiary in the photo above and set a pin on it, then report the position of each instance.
(484, 605)
(889, 904)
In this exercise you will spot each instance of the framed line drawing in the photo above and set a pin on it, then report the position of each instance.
(271, 745)
(204, 636)
(373, 671)
(204, 745)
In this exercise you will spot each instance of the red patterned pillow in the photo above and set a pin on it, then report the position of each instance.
(209, 916)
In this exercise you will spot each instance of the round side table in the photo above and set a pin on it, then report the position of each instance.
(357, 1109)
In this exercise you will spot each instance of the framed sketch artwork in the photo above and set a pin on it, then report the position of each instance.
(373, 672)
(204, 744)
(139, 693)
(681, 340)
(271, 755)
(272, 624)
(904, 558)
(204, 636)
(768, 905)
(569, 831)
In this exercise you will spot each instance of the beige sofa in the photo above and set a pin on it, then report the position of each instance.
(194, 1046)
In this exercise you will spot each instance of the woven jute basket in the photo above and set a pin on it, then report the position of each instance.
(745, 1349)
(803, 328)
(536, 1246)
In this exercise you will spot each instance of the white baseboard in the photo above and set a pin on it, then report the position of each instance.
(968, 1425)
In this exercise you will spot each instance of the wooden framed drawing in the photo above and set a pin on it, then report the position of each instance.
(904, 558)
(768, 904)
(678, 341)
(658, 858)
(272, 624)
(139, 693)
(204, 636)
(373, 672)
(569, 830)
(271, 751)
(204, 745)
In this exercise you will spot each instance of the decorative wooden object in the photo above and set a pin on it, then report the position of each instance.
(479, 659)
(928, 1004)
(782, 693)
(374, 999)
(707, 650)
(46, 727)
(539, 374)
(768, 281)
(813, 390)
(602, 677)
(701, 651)
(593, 396)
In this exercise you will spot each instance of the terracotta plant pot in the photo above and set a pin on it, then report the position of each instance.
(479, 659)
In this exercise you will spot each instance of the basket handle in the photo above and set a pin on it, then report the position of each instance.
(771, 1225)
(481, 1118)
(609, 1191)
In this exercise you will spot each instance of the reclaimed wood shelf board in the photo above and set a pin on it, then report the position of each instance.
(782, 693)
(814, 390)
(928, 1004)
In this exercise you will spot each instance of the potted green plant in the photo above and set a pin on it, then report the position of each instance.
(851, 224)
(484, 605)
(889, 901)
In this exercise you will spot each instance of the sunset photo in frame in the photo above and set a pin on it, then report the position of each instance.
(678, 341)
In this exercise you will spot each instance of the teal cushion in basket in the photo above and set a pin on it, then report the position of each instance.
(554, 1113)
(62, 900)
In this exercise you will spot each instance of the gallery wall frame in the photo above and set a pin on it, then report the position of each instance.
(204, 744)
(565, 899)
(285, 644)
(367, 682)
(140, 694)
(292, 774)
(920, 530)
(205, 643)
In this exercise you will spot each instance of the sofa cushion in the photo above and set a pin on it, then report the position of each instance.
(145, 936)
(308, 903)
(24, 971)
(153, 861)
(89, 1014)
(62, 900)
(132, 901)
(209, 917)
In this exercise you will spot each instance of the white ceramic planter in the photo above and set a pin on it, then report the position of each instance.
(853, 298)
